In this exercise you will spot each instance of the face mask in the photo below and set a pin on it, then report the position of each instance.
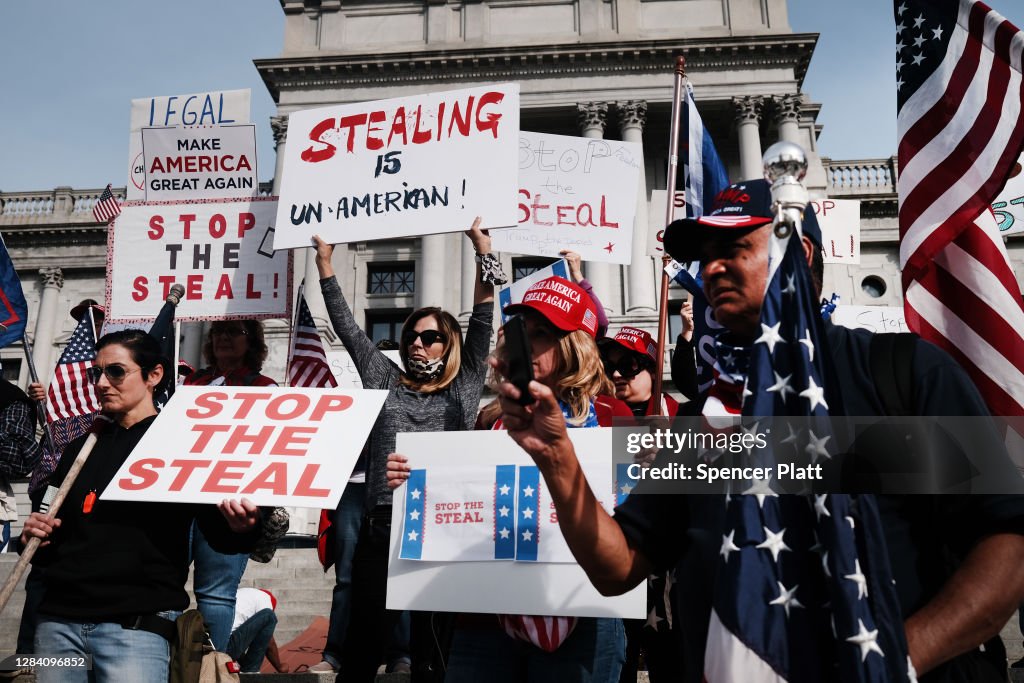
(425, 370)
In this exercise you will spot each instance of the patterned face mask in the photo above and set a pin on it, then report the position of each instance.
(425, 370)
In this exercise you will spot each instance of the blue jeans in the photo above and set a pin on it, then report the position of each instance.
(248, 643)
(118, 654)
(215, 583)
(593, 653)
(348, 518)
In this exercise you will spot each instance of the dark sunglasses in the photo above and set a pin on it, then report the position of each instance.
(628, 366)
(229, 331)
(115, 373)
(428, 337)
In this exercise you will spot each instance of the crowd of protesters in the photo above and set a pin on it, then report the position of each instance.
(109, 579)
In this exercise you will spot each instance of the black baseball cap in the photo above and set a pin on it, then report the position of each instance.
(738, 209)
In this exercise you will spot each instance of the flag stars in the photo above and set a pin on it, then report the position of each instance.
(919, 21)
(415, 493)
(920, 40)
(782, 385)
(527, 535)
(528, 513)
(816, 447)
(504, 489)
(653, 618)
(867, 640)
(808, 344)
(901, 9)
(503, 511)
(414, 515)
(413, 535)
(858, 578)
(814, 394)
(626, 489)
(528, 491)
(728, 546)
(917, 59)
(787, 598)
(790, 288)
(937, 33)
(773, 543)
(503, 533)
(819, 506)
(770, 336)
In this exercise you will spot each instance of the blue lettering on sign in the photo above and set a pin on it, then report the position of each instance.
(207, 111)
(1005, 218)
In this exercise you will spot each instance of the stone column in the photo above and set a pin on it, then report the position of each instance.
(787, 117)
(748, 116)
(591, 118)
(640, 295)
(430, 272)
(52, 280)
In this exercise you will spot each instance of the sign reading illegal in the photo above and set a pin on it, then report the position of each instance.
(220, 251)
(395, 168)
(275, 446)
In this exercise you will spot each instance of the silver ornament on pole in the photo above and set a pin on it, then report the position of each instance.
(785, 165)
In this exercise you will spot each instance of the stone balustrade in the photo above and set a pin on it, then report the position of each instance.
(861, 177)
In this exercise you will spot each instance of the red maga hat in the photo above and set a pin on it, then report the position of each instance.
(564, 304)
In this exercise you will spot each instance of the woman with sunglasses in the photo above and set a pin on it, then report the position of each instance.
(235, 351)
(437, 389)
(116, 571)
(561, 323)
(630, 361)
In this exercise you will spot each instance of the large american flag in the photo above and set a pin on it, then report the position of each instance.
(803, 588)
(961, 130)
(307, 362)
(106, 208)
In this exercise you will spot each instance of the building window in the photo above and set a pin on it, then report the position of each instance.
(873, 286)
(11, 369)
(522, 267)
(382, 325)
(395, 278)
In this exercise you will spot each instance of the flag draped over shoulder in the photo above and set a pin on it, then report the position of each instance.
(13, 309)
(307, 362)
(704, 178)
(961, 130)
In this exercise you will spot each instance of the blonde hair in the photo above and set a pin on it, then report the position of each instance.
(581, 375)
(448, 326)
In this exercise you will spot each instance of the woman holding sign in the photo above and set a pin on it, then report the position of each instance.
(437, 390)
(115, 571)
(235, 351)
(560, 324)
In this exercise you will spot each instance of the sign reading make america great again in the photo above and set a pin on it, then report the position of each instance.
(401, 167)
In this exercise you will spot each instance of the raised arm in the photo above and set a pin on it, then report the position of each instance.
(597, 541)
(483, 292)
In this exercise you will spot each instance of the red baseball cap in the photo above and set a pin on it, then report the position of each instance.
(564, 304)
(638, 341)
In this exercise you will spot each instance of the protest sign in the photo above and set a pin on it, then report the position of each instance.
(839, 220)
(276, 446)
(656, 219)
(220, 251)
(401, 167)
(1009, 205)
(345, 370)
(544, 580)
(212, 162)
(871, 318)
(218, 107)
(515, 291)
(575, 193)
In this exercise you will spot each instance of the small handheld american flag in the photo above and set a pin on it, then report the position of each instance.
(107, 207)
(307, 362)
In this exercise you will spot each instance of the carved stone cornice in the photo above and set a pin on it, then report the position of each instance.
(513, 63)
(591, 115)
(787, 108)
(279, 127)
(632, 114)
(748, 108)
(51, 277)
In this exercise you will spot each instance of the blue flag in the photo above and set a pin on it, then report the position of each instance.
(13, 309)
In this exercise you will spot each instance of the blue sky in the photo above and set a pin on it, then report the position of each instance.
(71, 69)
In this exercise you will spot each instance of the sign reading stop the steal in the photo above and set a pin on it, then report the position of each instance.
(274, 446)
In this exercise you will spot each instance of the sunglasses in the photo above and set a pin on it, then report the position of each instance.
(428, 337)
(628, 366)
(115, 373)
(229, 332)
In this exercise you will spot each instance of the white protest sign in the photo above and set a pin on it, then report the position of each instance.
(531, 585)
(400, 167)
(220, 251)
(345, 370)
(1009, 205)
(575, 193)
(515, 291)
(871, 318)
(197, 109)
(212, 162)
(656, 219)
(839, 220)
(276, 446)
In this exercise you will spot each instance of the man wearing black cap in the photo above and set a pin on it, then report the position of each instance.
(957, 561)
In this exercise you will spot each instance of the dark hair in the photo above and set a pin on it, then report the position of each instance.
(144, 350)
(254, 355)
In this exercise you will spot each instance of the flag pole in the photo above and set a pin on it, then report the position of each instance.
(291, 332)
(673, 163)
(27, 348)
(177, 351)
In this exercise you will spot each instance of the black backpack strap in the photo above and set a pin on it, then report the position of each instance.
(891, 357)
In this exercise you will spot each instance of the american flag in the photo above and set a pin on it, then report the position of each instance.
(961, 130)
(803, 589)
(704, 178)
(106, 208)
(307, 362)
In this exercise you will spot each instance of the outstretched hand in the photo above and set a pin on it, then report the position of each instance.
(324, 252)
(481, 239)
(573, 260)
